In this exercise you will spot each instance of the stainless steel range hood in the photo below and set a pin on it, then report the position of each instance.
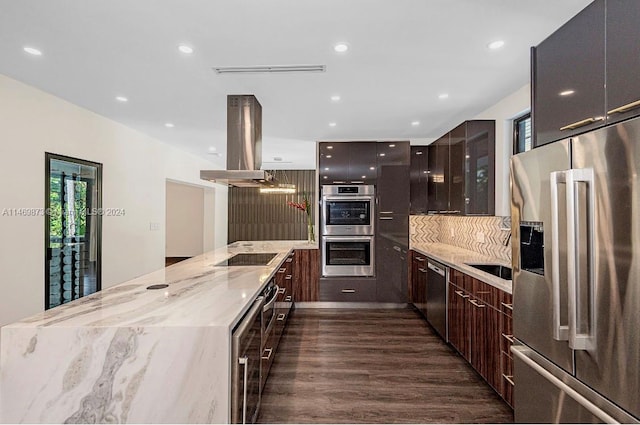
(244, 146)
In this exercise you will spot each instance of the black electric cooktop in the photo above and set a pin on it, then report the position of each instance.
(248, 259)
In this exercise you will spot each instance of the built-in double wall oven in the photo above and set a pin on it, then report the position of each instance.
(347, 225)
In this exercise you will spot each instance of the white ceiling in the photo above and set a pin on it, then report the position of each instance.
(403, 54)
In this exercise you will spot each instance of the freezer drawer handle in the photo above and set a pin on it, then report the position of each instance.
(281, 317)
(560, 331)
(595, 410)
(419, 259)
(421, 270)
(580, 338)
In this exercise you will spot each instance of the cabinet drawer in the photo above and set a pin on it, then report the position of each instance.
(485, 293)
(506, 390)
(506, 303)
(344, 290)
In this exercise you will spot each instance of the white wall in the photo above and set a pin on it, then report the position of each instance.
(185, 220)
(504, 112)
(135, 169)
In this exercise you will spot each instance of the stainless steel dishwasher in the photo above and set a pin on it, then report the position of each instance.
(437, 296)
(245, 366)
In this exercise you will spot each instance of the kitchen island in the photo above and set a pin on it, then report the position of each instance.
(133, 354)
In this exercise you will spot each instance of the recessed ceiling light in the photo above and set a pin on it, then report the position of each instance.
(121, 99)
(32, 51)
(341, 47)
(328, 156)
(185, 49)
(392, 145)
(364, 177)
(419, 153)
(443, 96)
(332, 124)
(212, 149)
(326, 168)
(325, 177)
(372, 168)
(329, 147)
(495, 44)
(169, 125)
(382, 154)
(567, 92)
(335, 98)
(415, 123)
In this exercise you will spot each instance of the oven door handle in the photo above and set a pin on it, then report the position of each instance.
(269, 303)
(347, 198)
(348, 238)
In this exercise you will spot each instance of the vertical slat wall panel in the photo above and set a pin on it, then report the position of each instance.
(255, 216)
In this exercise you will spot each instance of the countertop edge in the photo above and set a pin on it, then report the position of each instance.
(456, 257)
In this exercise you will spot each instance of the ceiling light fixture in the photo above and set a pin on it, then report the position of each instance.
(392, 145)
(169, 125)
(212, 149)
(328, 156)
(121, 99)
(185, 49)
(329, 147)
(332, 124)
(268, 69)
(494, 45)
(335, 98)
(567, 92)
(443, 96)
(341, 47)
(372, 168)
(32, 51)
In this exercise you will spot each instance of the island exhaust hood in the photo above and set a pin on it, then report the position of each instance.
(244, 146)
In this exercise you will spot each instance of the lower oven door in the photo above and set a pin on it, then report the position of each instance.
(348, 256)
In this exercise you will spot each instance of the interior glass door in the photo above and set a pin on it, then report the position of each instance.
(73, 226)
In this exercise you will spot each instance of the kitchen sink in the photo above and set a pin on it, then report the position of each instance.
(502, 272)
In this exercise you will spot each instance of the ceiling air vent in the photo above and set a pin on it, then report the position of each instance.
(268, 69)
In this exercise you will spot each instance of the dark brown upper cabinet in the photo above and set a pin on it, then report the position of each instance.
(347, 162)
(418, 176)
(438, 183)
(393, 177)
(460, 170)
(623, 59)
(568, 73)
(584, 75)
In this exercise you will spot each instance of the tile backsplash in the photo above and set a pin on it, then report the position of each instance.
(482, 234)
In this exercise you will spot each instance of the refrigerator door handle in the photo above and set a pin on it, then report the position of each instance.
(579, 337)
(560, 331)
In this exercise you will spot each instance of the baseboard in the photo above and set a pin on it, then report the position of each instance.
(333, 304)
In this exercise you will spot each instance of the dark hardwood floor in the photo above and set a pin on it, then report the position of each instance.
(372, 366)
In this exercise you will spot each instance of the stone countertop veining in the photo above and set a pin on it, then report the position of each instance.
(458, 258)
(199, 293)
(131, 355)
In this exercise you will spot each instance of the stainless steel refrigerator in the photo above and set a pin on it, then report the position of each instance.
(575, 209)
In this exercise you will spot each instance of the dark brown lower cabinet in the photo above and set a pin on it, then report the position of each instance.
(306, 275)
(418, 282)
(481, 330)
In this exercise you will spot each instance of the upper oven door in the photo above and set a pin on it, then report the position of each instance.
(347, 215)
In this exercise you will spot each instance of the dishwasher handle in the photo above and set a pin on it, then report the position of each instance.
(435, 268)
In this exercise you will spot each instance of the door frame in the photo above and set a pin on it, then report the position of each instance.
(47, 222)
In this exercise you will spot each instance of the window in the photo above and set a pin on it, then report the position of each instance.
(73, 224)
(522, 134)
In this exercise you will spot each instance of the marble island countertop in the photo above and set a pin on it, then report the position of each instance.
(128, 354)
(459, 258)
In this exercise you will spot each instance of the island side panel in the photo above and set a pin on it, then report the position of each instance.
(126, 375)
